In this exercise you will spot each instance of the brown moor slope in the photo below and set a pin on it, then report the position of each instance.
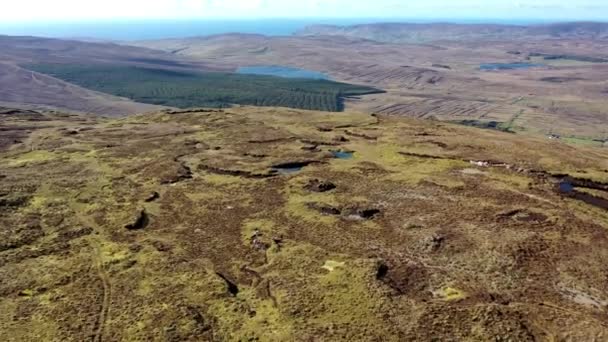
(419, 33)
(21, 87)
(197, 226)
(441, 80)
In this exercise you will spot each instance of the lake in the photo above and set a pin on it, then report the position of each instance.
(282, 71)
(508, 66)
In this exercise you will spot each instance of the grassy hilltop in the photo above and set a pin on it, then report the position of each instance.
(241, 224)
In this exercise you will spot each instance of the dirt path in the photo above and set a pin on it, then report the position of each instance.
(104, 311)
(107, 290)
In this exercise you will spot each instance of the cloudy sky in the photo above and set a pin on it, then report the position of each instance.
(34, 10)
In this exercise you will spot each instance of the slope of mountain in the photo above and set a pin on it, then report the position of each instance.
(20, 86)
(275, 224)
(559, 89)
(420, 33)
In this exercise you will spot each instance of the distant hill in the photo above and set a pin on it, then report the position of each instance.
(22, 87)
(416, 33)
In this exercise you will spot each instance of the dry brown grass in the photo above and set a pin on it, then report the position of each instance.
(456, 251)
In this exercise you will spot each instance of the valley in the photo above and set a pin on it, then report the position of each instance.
(442, 79)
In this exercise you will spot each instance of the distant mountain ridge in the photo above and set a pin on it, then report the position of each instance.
(416, 33)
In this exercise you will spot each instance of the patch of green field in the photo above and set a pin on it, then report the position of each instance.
(495, 125)
(185, 89)
(583, 141)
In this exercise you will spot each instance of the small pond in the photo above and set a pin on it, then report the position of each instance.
(342, 154)
(566, 187)
(508, 66)
(288, 170)
(282, 71)
(291, 167)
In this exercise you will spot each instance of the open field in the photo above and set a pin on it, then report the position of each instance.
(246, 224)
(442, 79)
(183, 89)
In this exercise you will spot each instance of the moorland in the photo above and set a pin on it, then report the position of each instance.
(445, 188)
(277, 224)
(443, 76)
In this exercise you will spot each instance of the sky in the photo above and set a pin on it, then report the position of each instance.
(84, 10)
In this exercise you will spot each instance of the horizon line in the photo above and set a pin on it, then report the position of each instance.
(248, 19)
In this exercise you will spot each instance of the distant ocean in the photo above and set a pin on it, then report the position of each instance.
(160, 29)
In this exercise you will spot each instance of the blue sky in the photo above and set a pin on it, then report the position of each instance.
(61, 10)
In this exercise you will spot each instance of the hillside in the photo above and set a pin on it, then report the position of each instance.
(183, 89)
(277, 224)
(22, 87)
(550, 86)
(423, 33)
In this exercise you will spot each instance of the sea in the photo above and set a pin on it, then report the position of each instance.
(123, 30)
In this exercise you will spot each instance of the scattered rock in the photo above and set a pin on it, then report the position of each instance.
(162, 246)
(196, 143)
(358, 214)
(435, 242)
(153, 197)
(523, 215)
(340, 138)
(311, 148)
(141, 222)
(324, 129)
(316, 185)
(324, 209)
(232, 288)
(257, 243)
(183, 172)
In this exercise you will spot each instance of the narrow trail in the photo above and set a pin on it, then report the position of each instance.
(107, 290)
(104, 311)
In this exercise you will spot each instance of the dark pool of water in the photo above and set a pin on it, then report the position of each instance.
(569, 189)
(508, 66)
(566, 187)
(291, 167)
(342, 155)
(282, 71)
